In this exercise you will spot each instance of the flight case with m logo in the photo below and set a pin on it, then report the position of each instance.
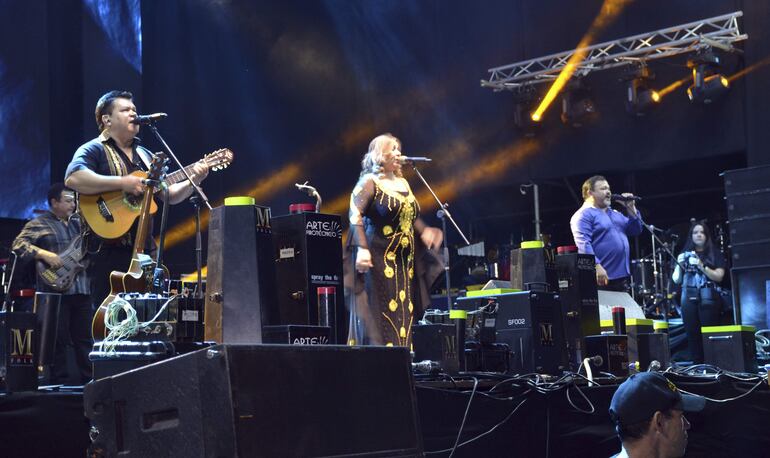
(18, 363)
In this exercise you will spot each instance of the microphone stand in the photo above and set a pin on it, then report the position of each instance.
(159, 274)
(198, 293)
(197, 190)
(443, 214)
(656, 240)
(7, 305)
(171, 154)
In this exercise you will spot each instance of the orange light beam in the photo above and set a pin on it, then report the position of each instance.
(609, 11)
(673, 86)
(487, 170)
(260, 191)
(748, 69)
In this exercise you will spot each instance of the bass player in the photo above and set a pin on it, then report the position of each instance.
(44, 239)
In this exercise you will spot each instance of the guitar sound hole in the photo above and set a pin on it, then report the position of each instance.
(133, 202)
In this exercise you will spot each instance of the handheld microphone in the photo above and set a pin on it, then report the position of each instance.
(407, 159)
(148, 119)
(618, 197)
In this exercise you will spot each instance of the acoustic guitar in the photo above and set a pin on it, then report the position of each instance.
(111, 214)
(138, 277)
(60, 279)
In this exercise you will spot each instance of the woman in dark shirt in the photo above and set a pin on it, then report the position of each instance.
(700, 270)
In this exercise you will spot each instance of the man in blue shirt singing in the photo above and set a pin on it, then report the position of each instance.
(603, 232)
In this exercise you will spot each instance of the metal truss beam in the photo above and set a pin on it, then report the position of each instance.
(719, 32)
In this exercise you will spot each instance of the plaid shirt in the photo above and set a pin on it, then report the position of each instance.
(50, 233)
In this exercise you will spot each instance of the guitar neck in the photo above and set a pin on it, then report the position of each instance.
(178, 176)
(143, 225)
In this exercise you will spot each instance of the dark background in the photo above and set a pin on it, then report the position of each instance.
(298, 88)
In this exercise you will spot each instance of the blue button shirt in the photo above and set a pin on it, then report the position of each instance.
(604, 234)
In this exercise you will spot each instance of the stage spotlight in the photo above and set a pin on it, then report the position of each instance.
(524, 100)
(639, 97)
(577, 108)
(709, 88)
(707, 84)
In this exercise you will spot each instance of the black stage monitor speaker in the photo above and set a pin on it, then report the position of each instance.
(308, 256)
(260, 401)
(579, 302)
(241, 273)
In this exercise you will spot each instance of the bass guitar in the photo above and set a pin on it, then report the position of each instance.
(60, 279)
(138, 277)
(111, 214)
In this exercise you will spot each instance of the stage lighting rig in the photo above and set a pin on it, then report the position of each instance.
(639, 96)
(525, 99)
(576, 105)
(707, 82)
(721, 32)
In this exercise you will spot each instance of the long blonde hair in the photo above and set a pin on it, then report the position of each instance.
(373, 159)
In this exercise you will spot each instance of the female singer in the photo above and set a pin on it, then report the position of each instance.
(384, 219)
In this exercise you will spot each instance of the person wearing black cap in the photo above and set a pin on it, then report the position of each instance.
(648, 412)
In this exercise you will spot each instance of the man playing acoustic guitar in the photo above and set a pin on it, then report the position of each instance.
(105, 164)
(52, 239)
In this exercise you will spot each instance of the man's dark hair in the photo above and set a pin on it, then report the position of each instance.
(54, 192)
(104, 105)
(636, 431)
(589, 184)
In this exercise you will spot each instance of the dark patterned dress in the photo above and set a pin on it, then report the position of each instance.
(388, 231)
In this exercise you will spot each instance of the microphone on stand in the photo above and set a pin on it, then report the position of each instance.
(312, 192)
(407, 159)
(621, 198)
(148, 119)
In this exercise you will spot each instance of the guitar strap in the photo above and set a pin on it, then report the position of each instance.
(116, 165)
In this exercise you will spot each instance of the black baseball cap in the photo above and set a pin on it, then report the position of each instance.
(641, 395)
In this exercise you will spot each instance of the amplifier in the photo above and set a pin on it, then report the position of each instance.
(579, 302)
(181, 320)
(613, 348)
(296, 334)
(481, 357)
(748, 180)
(652, 347)
(18, 350)
(308, 256)
(533, 269)
(436, 342)
(731, 348)
(634, 328)
(530, 324)
(756, 202)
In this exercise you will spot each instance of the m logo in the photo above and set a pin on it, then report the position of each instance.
(21, 346)
(546, 334)
(263, 218)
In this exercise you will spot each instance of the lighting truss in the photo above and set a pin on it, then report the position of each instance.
(718, 32)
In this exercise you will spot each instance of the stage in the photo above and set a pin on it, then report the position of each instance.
(565, 422)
